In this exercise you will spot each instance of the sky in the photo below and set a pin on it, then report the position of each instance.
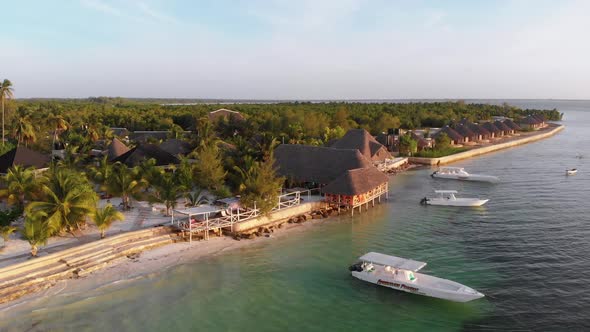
(297, 49)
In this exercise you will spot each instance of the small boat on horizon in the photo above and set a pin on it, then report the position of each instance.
(448, 198)
(459, 173)
(572, 171)
(401, 274)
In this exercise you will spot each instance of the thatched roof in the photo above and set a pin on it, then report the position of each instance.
(144, 135)
(511, 124)
(23, 156)
(422, 143)
(225, 113)
(465, 131)
(531, 120)
(143, 152)
(116, 149)
(480, 130)
(502, 126)
(455, 136)
(361, 140)
(356, 181)
(322, 165)
(176, 147)
(491, 127)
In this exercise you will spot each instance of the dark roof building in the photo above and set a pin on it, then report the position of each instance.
(356, 181)
(304, 163)
(464, 131)
(143, 152)
(361, 140)
(421, 142)
(176, 147)
(511, 124)
(116, 148)
(23, 156)
(455, 137)
(492, 129)
(502, 126)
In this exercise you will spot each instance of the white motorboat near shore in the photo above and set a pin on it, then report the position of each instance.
(459, 173)
(447, 198)
(572, 171)
(401, 274)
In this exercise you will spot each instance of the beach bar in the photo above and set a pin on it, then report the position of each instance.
(355, 188)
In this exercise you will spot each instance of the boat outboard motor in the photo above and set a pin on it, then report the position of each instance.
(424, 201)
(358, 267)
(432, 175)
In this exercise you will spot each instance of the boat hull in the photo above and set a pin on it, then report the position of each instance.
(470, 177)
(461, 294)
(456, 202)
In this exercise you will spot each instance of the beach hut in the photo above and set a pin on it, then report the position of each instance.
(355, 188)
(495, 131)
(138, 154)
(363, 141)
(505, 129)
(455, 137)
(512, 125)
(315, 164)
(467, 133)
(530, 122)
(116, 149)
(421, 142)
(25, 157)
(176, 147)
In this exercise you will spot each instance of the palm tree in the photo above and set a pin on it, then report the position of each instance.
(195, 198)
(125, 182)
(5, 232)
(167, 190)
(68, 200)
(59, 124)
(21, 185)
(24, 131)
(6, 92)
(36, 231)
(103, 218)
(101, 173)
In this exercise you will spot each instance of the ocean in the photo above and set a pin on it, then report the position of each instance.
(528, 250)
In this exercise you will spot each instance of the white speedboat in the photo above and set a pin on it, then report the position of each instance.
(401, 274)
(572, 171)
(447, 197)
(459, 173)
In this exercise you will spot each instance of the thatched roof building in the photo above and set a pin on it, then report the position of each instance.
(356, 181)
(455, 137)
(512, 124)
(361, 140)
(143, 152)
(23, 156)
(304, 163)
(176, 147)
(225, 113)
(466, 132)
(502, 126)
(116, 149)
(492, 129)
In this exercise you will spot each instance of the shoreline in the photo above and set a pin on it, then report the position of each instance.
(148, 262)
(536, 136)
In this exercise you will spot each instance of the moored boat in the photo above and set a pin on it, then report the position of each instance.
(402, 274)
(572, 171)
(448, 198)
(459, 173)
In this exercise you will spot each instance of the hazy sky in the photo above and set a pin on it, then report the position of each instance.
(289, 49)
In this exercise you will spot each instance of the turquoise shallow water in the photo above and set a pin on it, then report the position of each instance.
(527, 249)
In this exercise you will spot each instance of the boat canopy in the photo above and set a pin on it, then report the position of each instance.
(393, 261)
(446, 191)
(450, 168)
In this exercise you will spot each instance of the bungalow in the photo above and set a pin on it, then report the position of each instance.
(531, 122)
(495, 131)
(25, 157)
(361, 140)
(116, 149)
(505, 129)
(455, 137)
(176, 147)
(468, 134)
(512, 125)
(138, 154)
(226, 114)
(421, 141)
(482, 133)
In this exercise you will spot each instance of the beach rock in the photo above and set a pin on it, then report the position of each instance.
(281, 225)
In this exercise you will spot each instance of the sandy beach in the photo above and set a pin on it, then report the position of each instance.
(149, 262)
